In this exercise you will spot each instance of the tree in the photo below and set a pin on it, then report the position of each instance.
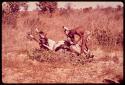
(5, 8)
(68, 6)
(49, 7)
(119, 7)
(14, 6)
(24, 5)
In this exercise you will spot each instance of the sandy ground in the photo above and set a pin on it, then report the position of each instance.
(17, 68)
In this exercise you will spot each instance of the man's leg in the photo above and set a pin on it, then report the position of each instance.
(84, 48)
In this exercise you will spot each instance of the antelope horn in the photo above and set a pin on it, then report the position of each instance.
(66, 28)
(37, 30)
(33, 37)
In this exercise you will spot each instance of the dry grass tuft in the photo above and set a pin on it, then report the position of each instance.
(51, 56)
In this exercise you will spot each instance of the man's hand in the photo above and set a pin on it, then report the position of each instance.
(74, 43)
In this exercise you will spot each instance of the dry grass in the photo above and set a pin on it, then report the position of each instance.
(21, 63)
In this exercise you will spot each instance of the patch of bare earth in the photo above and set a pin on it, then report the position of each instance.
(18, 68)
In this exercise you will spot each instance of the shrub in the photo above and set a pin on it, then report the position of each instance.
(42, 55)
(10, 20)
(103, 37)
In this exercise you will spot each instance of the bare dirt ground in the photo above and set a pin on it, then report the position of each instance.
(17, 67)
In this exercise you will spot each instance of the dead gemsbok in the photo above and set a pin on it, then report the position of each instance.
(43, 41)
(49, 44)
